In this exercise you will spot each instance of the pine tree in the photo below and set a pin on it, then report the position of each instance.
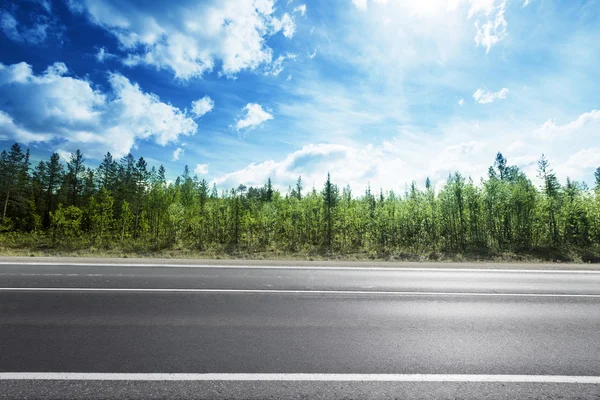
(107, 172)
(75, 170)
(268, 191)
(161, 174)
(550, 188)
(500, 165)
(299, 188)
(330, 200)
(14, 169)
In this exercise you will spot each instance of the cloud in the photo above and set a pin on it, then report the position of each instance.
(484, 96)
(485, 7)
(300, 9)
(312, 157)
(70, 113)
(46, 5)
(589, 121)
(461, 102)
(388, 165)
(526, 3)
(360, 4)
(19, 33)
(201, 169)
(285, 24)
(202, 106)
(467, 147)
(178, 153)
(586, 158)
(493, 30)
(277, 66)
(313, 54)
(255, 115)
(289, 77)
(516, 145)
(191, 38)
(103, 54)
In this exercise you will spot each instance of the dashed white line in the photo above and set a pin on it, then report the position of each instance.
(77, 376)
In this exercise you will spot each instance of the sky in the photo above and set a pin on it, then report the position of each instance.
(376, 92)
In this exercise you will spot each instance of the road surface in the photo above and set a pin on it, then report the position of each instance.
(297, 332)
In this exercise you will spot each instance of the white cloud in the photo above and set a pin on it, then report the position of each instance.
(461, 102)
(485, 7)
(103, 55)
(586, 158)
(445, 17)
(277, 66)
(313, 54)
(516, 145)
(64, 155)
(587, 121)
(201, 169)
(580, 163)
(310, 157)
(54, 107)
(285, 24)
(526, 3)
(202, 106)
(178, 153)
(301, 9)
(389, 165)
(289, 77)
(493, 30)
(255, 115)
(483, 96)
(19, 33)
(469, 147)
(360, 4)
(191, 37)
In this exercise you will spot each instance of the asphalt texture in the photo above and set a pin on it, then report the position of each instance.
(427, 322)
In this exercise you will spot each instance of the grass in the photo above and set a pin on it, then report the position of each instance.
(41, 245)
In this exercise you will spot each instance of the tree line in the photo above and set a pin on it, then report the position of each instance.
(124, 203)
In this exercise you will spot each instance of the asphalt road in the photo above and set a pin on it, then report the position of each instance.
(224, 320)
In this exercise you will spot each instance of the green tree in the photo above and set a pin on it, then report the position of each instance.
(14, 176)
(107, 172)
(75, 171)
(102, 218)
(500, 165)
(551, 191)
(330, 201)
(66, 223)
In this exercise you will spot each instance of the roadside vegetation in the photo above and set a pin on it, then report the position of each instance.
(124, 208)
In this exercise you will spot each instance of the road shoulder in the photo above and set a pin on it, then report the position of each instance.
(296, 263)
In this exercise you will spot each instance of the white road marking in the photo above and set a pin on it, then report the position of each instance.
(293, 291)
(309, 267)
(77, 376)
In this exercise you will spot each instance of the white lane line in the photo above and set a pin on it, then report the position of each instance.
(308, 267)
(76, 376)
(293, 291)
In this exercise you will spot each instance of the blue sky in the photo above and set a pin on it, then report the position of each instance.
(377, 92)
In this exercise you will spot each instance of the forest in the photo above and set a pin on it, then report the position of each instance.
(123, 208)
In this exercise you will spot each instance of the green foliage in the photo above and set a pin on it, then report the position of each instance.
(122, 204)
(66, 222)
